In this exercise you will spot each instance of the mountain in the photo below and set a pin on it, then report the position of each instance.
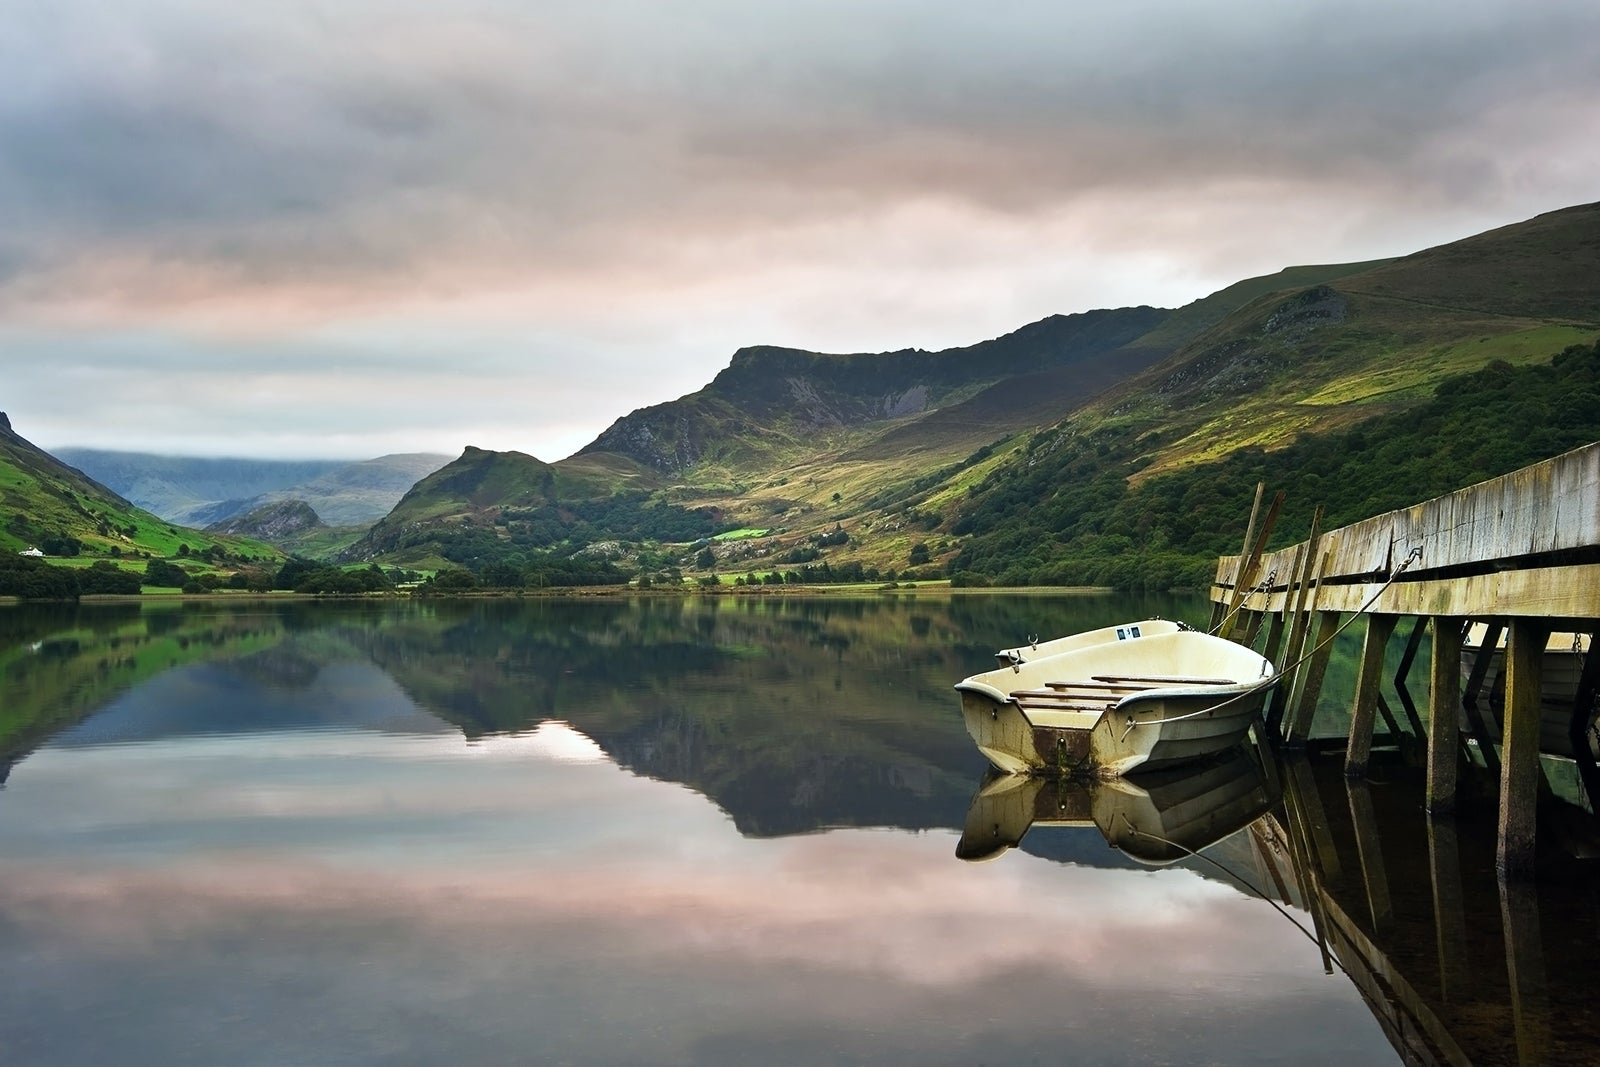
(486, 503)
(203, 491)
(275, 522)
(771, 406)
(47, 504)
(1366, 392)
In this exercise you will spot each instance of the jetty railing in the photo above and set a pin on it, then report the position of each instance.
(1520, 552)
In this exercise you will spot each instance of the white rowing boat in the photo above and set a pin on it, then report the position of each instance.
(1111, 706)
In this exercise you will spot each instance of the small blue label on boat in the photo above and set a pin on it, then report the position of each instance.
(1125, 632)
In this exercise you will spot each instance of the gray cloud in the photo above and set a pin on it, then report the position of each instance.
(822, 172)
(368, 138)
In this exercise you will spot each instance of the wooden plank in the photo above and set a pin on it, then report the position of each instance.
(1298, 726)
(1164, 680)
(1249, 566)
(1029, 705)
(1250, 527)
(1547, 507)
(1298, 619)
(1444, 715)
(1125, 687)
(1561, 593)
(1302, 651)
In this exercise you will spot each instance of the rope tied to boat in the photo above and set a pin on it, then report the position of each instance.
(1250, 690)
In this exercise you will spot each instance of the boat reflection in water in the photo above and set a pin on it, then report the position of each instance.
(1157, 818)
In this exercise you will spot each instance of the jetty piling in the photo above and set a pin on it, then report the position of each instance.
(1520, 552)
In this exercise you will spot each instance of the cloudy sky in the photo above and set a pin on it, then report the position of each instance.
(365, 226)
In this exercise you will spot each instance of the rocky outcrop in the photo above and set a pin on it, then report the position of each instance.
(273, 522)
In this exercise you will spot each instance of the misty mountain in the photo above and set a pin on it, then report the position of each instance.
(201, 492)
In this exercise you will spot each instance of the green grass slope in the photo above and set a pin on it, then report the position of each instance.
(1326, 356)
(1073, 516)
(486, 506)
(46, 504)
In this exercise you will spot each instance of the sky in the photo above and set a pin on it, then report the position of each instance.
(345, 229)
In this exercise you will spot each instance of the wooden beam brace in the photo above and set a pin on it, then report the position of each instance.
(1358, 752)
(1305, 711)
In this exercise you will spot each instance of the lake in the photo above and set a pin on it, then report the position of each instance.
(686, 830)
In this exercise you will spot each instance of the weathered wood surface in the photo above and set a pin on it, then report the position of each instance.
(1548, 507)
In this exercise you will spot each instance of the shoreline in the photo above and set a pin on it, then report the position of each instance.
(940, 588)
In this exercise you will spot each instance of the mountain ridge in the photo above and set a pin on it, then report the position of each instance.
(202, 491)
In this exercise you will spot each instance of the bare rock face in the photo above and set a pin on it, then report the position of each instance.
(5, 423)
(1317, 307)
(271, 522)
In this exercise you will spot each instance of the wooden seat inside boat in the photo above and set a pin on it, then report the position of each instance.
(1101, 692)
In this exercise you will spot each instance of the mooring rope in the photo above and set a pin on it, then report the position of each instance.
(1239, 879)
(1250, 690)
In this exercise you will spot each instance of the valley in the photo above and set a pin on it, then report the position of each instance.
(1111, 447)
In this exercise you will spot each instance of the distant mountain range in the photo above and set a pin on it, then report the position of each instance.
(1112, 435)
(202, 492)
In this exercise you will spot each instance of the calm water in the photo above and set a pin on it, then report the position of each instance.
(689, 832)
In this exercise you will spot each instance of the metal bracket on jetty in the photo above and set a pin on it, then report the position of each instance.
(1518, 554)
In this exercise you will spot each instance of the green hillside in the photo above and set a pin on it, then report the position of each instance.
(1372, 391)
(1074, 442)
(1075, 516)
(76, 522)
(488, 508)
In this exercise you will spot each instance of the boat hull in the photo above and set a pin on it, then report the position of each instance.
(1109, 747)
(1113, 707)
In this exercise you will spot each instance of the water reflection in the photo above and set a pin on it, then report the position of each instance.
(683, 831)
(1155, 819)
(1457, 967)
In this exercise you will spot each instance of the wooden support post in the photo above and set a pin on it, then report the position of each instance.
(1252, 628)
(1449, 911)
(1293, 599)
(1274, 637)
(1304, 617)
(1359, 750)
(1246, 577)
(1303, 714)
(1519, 748)
(1444, 715)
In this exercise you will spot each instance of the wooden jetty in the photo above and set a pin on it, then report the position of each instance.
(1521, 552)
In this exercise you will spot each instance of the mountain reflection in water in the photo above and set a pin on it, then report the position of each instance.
(698, 831)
